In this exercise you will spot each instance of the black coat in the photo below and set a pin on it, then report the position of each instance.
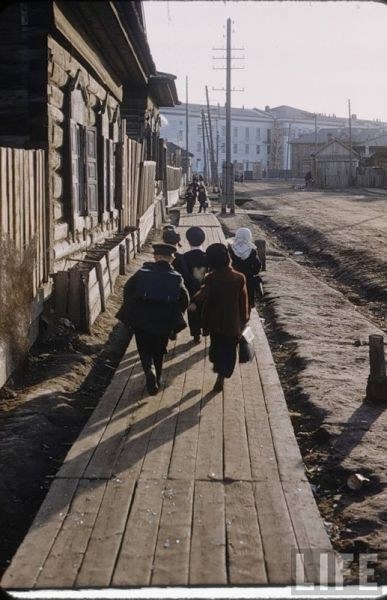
(196, 268)
(150, 315)
(250, 267)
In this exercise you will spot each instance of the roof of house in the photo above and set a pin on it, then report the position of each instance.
(339, 142)
(172, 147)
(236, 113)
(163, 89)
(359, 136)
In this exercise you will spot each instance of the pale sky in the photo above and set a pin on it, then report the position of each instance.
(311, 55)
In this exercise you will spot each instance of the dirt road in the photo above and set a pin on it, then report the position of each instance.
(326, 285)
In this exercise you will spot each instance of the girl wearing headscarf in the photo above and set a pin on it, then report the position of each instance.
(244, 259)
(224, 310)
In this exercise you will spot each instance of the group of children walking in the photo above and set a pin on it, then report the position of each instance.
(217, 287)
(196, 191)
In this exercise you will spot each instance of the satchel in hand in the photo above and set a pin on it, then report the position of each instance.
(246, 346)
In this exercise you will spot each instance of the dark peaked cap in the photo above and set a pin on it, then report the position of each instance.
(164, 249)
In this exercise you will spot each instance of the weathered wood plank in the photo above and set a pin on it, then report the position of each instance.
(277, 532)
(209, 460)
(288, 455)
(308, 526)
(245, 558)
(135, 561)
(208, 546)
(4, 228)
(105, 541)
(81, 452)
(30, 557)
(263, 460)
(62, 565)
(183, 459)
(236, 450)
(174, 536)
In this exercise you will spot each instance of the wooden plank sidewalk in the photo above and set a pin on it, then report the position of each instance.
(186, 488)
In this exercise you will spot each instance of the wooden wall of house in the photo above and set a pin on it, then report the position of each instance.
(23, 76)
(79, 105)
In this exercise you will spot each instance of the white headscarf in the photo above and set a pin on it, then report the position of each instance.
(241, 244)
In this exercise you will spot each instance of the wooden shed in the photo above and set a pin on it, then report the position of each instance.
(334, 165)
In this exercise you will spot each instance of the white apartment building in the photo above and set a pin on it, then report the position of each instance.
(249, 134)
(258, 137)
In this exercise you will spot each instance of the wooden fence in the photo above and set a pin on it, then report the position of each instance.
(22, 204)
(132, 156)
(371, 177)
(173, 178)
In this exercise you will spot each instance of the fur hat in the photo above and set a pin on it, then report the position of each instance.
(170, 236)
(217, 256)
(195, 236)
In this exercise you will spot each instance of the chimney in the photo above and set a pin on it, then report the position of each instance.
(354, 117)
(267, 108)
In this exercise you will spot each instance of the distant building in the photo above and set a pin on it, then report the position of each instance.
(249, 134)
(260, 139)
(335, 165)
(290, 123)
(365, 141)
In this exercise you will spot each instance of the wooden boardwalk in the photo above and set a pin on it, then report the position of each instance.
(189, 487)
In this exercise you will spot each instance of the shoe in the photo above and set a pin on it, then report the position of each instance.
(196, 339)
(219, 383)
(151, 382)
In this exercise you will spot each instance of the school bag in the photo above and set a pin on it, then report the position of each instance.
(160, 286)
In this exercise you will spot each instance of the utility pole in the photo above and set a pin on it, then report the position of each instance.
(214, 167)
(228, 198)
(315, 133)
(209, 170)
(350, 142)
(186, 133)
(287, 149)
(229, 170)
(204, 150)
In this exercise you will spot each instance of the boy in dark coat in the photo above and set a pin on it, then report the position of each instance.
(154, 299)
(195, 267)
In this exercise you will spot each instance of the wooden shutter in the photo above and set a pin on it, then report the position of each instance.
(76, 162)
(91, 169)
(112, 174)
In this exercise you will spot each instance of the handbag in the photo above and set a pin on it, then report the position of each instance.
(246, 346)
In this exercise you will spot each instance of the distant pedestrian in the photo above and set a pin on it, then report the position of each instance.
(225, 311)
(308, 180)
(195, 269)
(244, 259)
(190, 198)
(202, 198)
(155, 299)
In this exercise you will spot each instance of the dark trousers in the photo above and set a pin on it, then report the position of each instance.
(223, 352)
(190, 205)
(151, 348)
(194, 322)
(202, 206)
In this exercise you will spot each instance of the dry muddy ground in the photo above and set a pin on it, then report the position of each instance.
(326, 292)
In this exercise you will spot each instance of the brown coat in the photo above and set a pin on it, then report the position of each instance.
(225, 302)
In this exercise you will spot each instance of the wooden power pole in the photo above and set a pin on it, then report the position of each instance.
(204, 150)
(186, 133)
(350, 142)
(214, 166)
